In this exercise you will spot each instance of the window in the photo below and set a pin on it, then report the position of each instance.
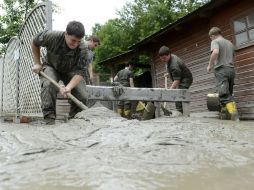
(244, 30)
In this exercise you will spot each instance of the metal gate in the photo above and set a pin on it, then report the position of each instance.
(20, 86)
(10, 78)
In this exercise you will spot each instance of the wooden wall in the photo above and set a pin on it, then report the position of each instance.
(193, 48)
(192, 45)
(244, 83)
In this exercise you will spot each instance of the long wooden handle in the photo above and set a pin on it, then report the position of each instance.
(166, 87)
(166, 81)
(144, 106)
(69, 95)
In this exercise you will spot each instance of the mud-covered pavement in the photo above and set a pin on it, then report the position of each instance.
(102, 151)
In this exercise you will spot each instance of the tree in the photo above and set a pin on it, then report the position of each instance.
(13, 13)
(145, 17)
(138, 20)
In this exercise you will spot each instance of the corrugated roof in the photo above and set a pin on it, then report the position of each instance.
(109, 60)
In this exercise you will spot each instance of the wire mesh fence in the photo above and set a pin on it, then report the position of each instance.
(10, 78)
(20, 87)
(1, 82)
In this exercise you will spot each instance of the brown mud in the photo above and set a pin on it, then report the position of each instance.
(102, 151)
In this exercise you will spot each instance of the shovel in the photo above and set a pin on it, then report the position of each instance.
(163, 107)
(69, 95)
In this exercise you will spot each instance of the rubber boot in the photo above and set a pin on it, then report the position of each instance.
(223, 114)
(231, 108)
(127, 114)
(121, 112)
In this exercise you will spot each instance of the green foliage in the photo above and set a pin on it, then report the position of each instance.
(112, 37)
(12, 16)
(145, 17)
(138, 20)
(114, 41)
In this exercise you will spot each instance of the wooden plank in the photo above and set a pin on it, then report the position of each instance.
(241, 63)
(243, 51)
(242, 69)
(244, 80)
(186, 108)
(247, 55)
(143, 94)
(245, 98)
(245, 86)
(246, 92)
(247, 117)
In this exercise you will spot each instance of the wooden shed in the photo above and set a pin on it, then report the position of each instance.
(188, 38)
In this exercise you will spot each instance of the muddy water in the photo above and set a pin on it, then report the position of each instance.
(101, 151)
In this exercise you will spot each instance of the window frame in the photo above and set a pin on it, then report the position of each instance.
(239, 17)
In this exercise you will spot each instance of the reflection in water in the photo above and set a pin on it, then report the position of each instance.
(101, 151)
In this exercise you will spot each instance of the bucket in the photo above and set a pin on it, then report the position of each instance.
(213, 103)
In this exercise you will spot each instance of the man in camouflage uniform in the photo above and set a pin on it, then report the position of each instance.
(125, 78)
(222, 59)
(66, 61)
(178, 72)
(92, 42)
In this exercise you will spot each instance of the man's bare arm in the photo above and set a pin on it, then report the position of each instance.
(36, 56)
(213, 57)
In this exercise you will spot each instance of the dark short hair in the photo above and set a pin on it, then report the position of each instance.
(164, 50)
(75, 28)
(94, 38)
(128, 63)
(214, 31)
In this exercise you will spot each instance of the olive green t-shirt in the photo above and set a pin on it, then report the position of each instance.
(226, 52)
(90, 54)
(177, 69)
(124, 77)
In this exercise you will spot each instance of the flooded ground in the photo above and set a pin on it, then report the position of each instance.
(102, 151)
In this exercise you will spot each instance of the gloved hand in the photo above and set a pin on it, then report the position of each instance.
(117, 89)
(115, 83)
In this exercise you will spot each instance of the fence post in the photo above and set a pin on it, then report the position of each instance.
(49, 15)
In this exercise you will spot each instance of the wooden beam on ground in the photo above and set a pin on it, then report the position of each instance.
(143, 94)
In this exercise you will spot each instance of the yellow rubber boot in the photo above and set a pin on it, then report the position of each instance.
(231, 108)
(223, 114)
(140, 107)
(120, 111)
(127, 114)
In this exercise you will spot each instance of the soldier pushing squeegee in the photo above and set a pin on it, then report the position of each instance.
(121, 93)
(66, 60)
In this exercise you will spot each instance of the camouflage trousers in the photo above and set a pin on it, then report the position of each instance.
(184, 84)
(126, 105)
(49, 92)
(225, 81)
